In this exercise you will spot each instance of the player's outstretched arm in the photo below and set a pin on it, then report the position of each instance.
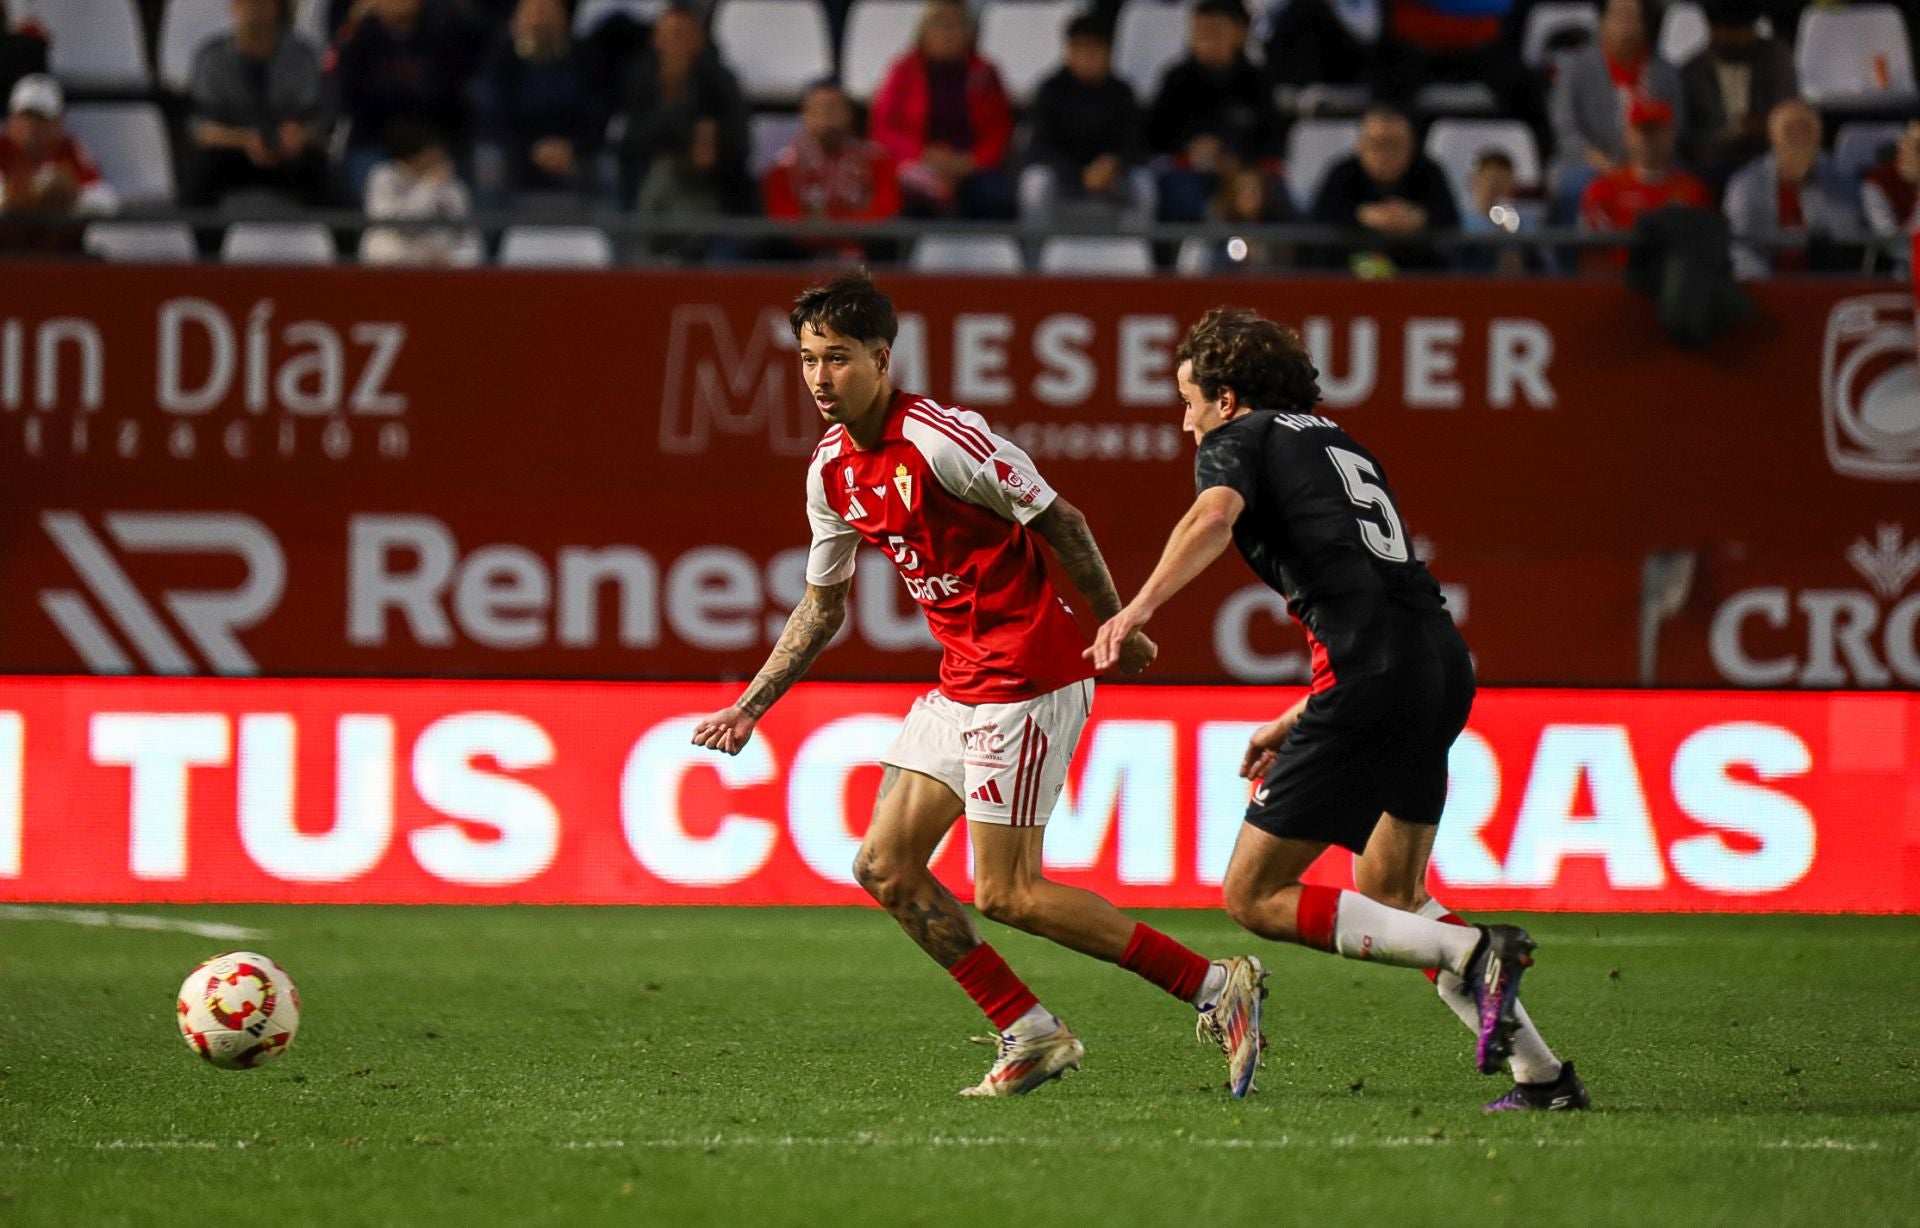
(810, 628)
(1202, 535)
(1065, 529)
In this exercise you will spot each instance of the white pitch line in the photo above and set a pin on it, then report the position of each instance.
(101, 919)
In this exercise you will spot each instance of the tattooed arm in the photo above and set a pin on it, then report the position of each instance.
(1066, 531)
(811, 626)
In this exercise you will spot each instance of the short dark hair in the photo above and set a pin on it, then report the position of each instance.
(1491, 156)
(1266, 364)
(1233, 10)
(1387, 111)
(408, 136)
(1089, 25)
(851, 305)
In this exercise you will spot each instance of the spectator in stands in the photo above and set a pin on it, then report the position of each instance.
(406, 59)
(1214, 113)
(1084, 136)
(943, 114)
(1390, 188)
(540, 118)
(830, 171)
(1591, 94)
(1890, 196)
(1455, 41)
(1647, 181)
(1321, 42)
(1248, 197)
(417, 182)
(23, 50)
(1493, 208)
(686, 141)
(47, 181)
(1793, 189)
(1731, 86)
(259, 112)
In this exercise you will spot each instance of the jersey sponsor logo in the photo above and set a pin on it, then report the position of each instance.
(1870, 388)
(1023, 488)
(926, 589)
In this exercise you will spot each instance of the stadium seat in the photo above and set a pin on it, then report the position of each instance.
(878, 33)
(129, 141)
(1096, 255)
(967, 254)
(776, 47)
(591, 13)
(96, 44)
(1857, 55)
(556, 247)
(1455, 143)
(1025, 39)
(769, 133)
(1313, 145)
(1857, 146)
(185, 26)
(1683, 32)
(1455, 98)
(277, 243)
(141, 242)
(1546, 19)
(1150, 38)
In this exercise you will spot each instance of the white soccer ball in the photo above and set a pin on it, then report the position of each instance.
(239, 1010)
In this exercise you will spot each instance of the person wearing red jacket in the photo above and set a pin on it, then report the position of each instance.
(830, 172)
(943, 114)
(1647, 181)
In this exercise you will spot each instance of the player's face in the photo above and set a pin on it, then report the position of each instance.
(1200, 415)
(844, 375)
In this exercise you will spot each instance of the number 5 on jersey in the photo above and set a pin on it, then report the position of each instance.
(1389, 543)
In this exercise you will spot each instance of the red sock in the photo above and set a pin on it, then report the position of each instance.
(993, 986)
(1433, 974)
(1314, 919)
(1158, 958)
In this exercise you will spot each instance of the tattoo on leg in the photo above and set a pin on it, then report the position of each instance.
(888, 778)
(940, 925)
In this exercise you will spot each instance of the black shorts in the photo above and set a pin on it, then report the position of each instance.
(1372, 744)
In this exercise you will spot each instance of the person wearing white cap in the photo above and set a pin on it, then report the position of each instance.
(44, 173)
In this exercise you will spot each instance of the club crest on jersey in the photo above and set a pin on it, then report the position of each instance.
(1023, 488)
(903, 482)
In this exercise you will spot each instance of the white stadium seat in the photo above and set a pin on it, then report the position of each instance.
(967, 254)
(776, 47)
(96, 44)
(1683, 32)
(277, 243)
(1548, 18)
(1455, 143)
(1854, 55)
(1025, 39)
(1096, 255)
(592, 12)
(141, 242)
(185, 27)
(769, 134)
(1314, 145)
(556, 247)
(1455, 98)
(129, 141)
(878, 33)
(1857, 146)
(1150, 38)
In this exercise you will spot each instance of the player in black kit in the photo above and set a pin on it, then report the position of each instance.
(1362, 761)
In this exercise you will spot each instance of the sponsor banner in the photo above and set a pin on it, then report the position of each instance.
(511, 473)
(481, 792)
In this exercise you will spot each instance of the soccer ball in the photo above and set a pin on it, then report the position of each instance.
(239, 1010)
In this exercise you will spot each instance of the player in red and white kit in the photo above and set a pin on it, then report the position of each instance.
(962, 513)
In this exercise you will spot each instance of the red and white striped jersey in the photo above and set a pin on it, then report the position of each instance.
(949, 501)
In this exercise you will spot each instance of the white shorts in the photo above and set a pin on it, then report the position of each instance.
(1007, 762)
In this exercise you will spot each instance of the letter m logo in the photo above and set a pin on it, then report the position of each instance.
(719, 381)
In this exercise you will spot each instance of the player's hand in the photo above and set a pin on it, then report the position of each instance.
(1112, 635)
(1264, 746)
(726, 730)
(1137, 652)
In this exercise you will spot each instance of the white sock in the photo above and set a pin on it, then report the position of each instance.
(1368, 929)
(1038, 1021)
(1211, 987)
(1532, 1061)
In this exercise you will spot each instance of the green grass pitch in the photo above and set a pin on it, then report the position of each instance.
(772, 1067)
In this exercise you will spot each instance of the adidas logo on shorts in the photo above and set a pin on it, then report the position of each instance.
(989, 792)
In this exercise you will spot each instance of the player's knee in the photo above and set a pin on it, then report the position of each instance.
(1242, 904)
(1008, 905)
(881, 876)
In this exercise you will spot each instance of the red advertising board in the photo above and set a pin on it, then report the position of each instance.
(565, 475)
(479, 792)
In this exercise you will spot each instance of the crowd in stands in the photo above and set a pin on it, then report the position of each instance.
(429, 109)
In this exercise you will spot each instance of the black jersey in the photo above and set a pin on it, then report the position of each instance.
(1323, 529)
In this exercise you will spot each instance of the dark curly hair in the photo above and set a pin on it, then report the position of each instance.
(851, 305)
(1266, 364)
